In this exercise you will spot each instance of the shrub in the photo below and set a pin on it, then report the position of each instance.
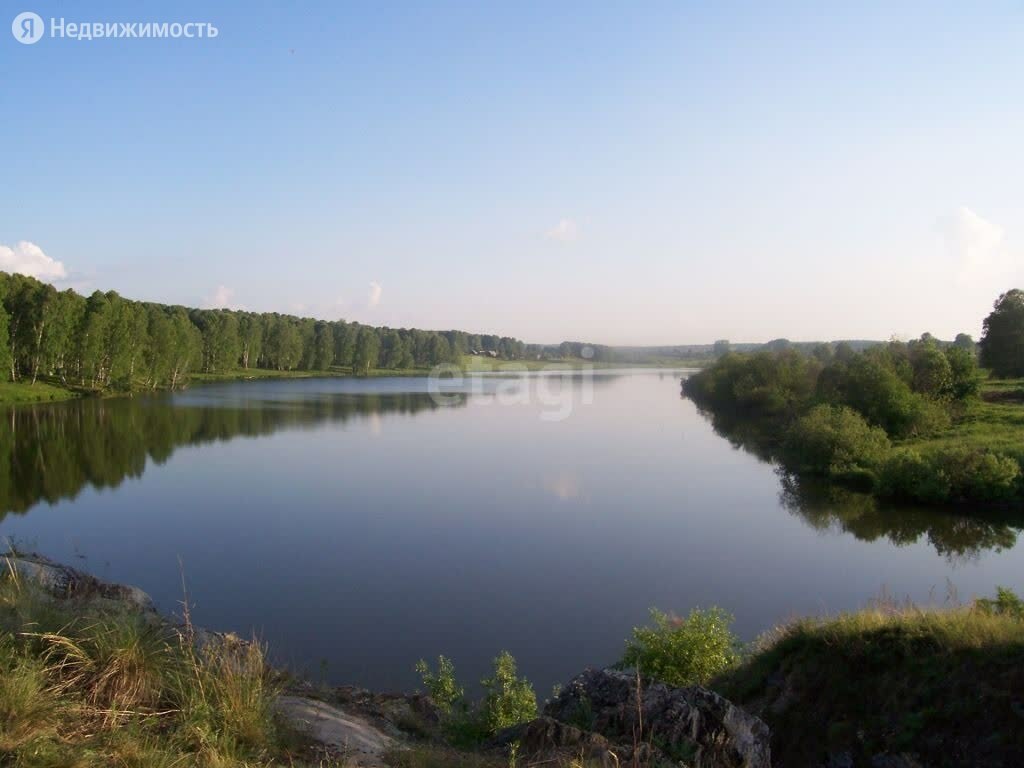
(933, 374)
(836, 441)
(1006, 603)
(509, 700)
(872, 386)
(442, 687)
(681, 651)
(908, 475)
(979, 475)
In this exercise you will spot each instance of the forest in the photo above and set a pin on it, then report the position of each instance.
(107, 342)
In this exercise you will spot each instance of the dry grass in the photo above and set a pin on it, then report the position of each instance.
(101, 686)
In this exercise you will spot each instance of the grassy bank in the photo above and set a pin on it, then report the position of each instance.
(45, 392)
(88, 682)
(993, 422)
(946, 685)
(916, 422)
(99, 685)
(17, 393)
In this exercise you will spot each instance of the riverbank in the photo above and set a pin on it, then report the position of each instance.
(911, 422)
(26, 393)
(91, 675)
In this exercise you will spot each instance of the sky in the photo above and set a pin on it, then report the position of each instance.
(623, 173)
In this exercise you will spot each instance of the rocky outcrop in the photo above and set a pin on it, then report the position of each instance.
(691, 724)
(548, 740)
(64, 582)
(604, 716)
(342, 734)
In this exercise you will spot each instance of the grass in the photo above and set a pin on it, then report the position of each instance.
(101, 686)
(21, 392)
(994, 422)
(945, 684)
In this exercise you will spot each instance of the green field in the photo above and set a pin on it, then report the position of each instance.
(994, 422)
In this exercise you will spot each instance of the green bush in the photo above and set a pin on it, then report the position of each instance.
(908, 475)
(836, 441)
(979, 475)
(681, 651)
(1006, 603)
(872, 385)
(442, 686)
(509, 700)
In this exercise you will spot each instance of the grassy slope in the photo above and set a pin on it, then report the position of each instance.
(995, 422)
(92, 684)
(946, 685)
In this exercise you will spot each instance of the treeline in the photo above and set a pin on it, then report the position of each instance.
(855, 417)
(106, 341)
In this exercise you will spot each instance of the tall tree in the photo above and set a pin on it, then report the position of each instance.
(1002, 344)
(5, 345)
(367, 350)
(323, 346)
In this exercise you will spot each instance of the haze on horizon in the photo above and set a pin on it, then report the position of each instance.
(576, 171)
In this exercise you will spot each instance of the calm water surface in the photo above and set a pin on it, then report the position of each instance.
(358, 525)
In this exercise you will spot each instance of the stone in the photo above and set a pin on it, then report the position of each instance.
(344, 734)
(64, 582)
(692, 723)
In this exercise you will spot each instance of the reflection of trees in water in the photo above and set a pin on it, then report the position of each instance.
(826, 506)
(758, 438)
(956, 537)
(52, 452)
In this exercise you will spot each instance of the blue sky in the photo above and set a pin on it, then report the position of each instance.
(616, 172)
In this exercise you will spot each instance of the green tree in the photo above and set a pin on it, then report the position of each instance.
(250, 336)
(91, 340)
(323, 346)
(393, 350)
(933, 375)
(964, 341)
(367, 350)
(5, 344)
(283, 349)
(1002, 343)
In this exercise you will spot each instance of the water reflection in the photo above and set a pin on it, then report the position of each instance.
(827, 507)
(52, 452)
(957, 537)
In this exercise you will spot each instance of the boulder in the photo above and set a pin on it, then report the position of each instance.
(546, 740)
(343, 734)
(691, 724)
(62, 581)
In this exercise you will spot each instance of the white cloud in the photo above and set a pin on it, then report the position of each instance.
(27, 258)
(373, 299)
(565, 231)
(978, 245)
(222, 298)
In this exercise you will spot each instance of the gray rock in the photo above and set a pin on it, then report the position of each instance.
(695, 724)
(344, 734)
(64, 582)
(547, 740)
